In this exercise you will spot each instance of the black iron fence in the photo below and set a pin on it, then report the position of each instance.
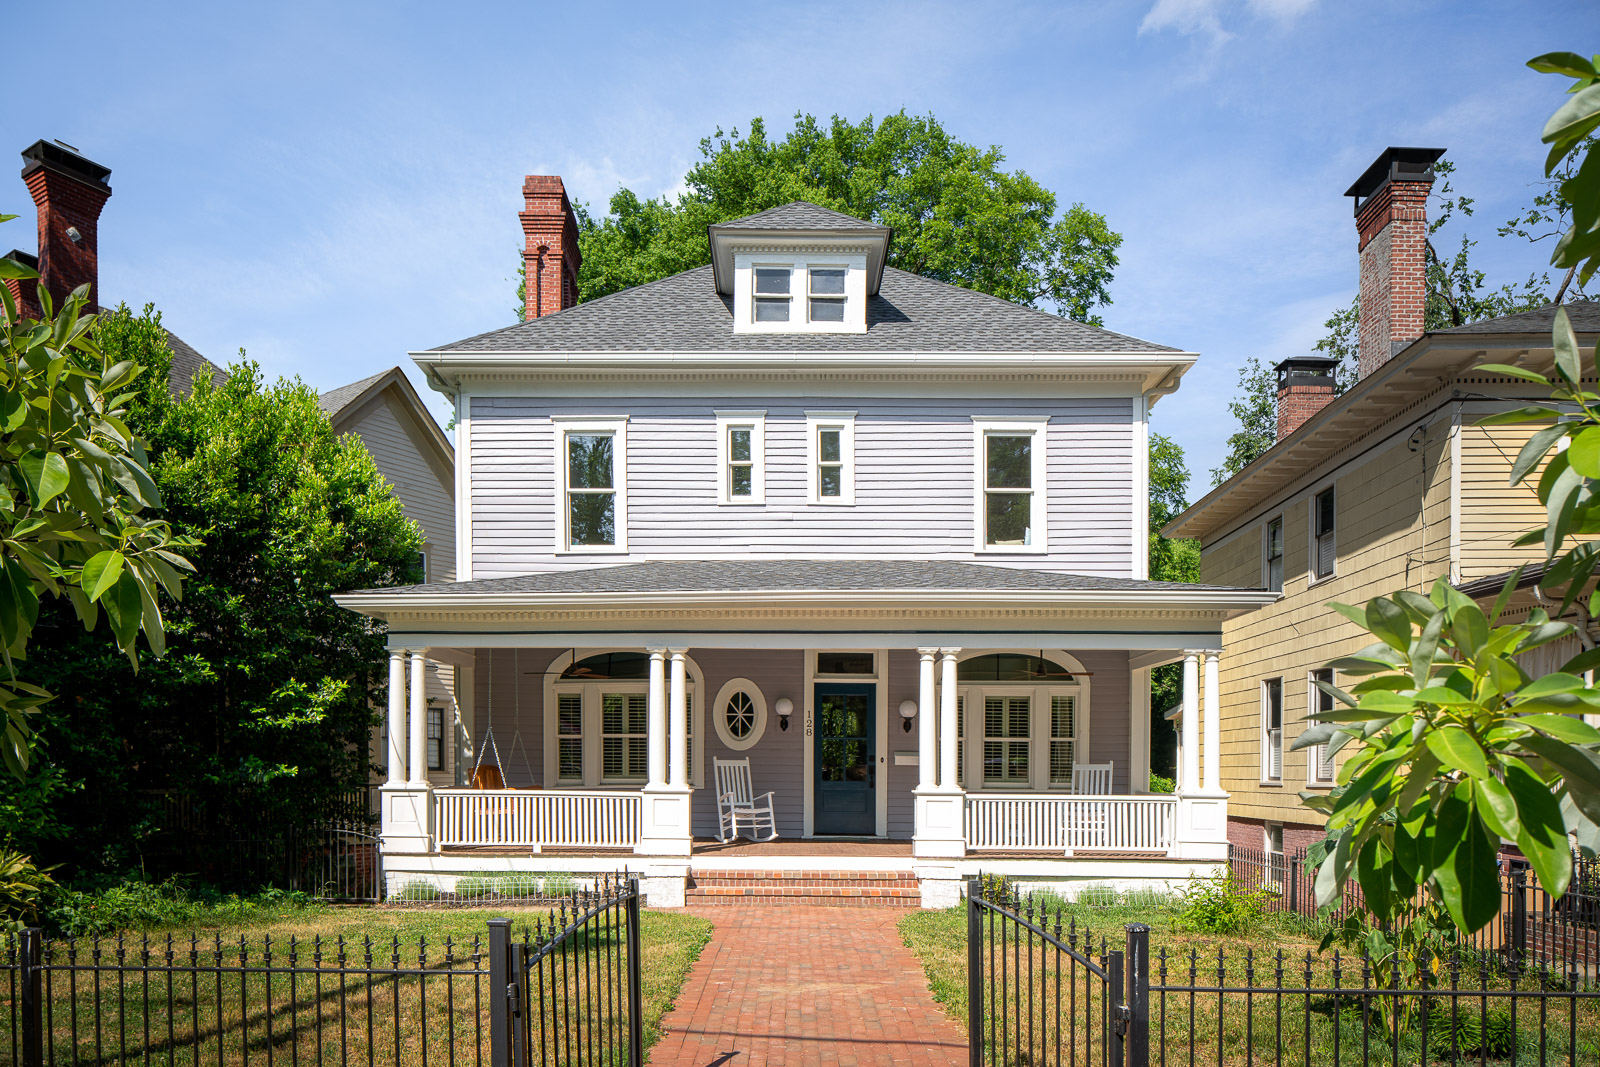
(564, 991)
(1040, 992)
(1540, 929)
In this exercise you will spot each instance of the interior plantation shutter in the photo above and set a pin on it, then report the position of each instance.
(569, 737)
(961, 740)
(1063, 738)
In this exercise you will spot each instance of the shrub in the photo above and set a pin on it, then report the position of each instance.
(417, 890)
(1162, 784)
(135, 905)
(22, 889)
(1219, 906)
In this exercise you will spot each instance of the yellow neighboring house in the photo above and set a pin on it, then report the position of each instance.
(1386, 486)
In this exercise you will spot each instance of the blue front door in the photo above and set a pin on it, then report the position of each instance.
(847, 772)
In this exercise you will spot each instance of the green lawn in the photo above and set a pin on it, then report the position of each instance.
(316, 1015)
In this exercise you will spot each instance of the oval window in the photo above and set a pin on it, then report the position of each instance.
(741, 714)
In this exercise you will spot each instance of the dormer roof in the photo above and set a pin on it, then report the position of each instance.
(797, 222)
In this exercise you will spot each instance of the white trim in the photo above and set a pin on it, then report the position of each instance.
(616, 426)
(798, 256)
(1141, 487)
(1266, 550)
(719, 721)
(1312, 578)
(1039, 726)
(756, 423)
(1455, 493)
(1036, 426)
(591, 738)
(845, 423)
(463, 497)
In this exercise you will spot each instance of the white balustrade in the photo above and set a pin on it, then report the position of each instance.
(537, 818)
(1030, 822)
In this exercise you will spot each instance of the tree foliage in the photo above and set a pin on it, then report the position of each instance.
(1255, 410)
(958, 216)
(261, 711)
(76, 500)
(1170, 560)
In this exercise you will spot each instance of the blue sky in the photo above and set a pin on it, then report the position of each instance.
(331, 185)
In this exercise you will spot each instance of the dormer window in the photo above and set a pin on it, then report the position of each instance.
(827, 294)
(773, 298)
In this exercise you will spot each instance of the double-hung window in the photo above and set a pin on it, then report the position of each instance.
(1323, 548)
(1272, 730)
(1274, 555)
(826, 303)
(831, 444)
(591, 465)
(1027, 717)
(1273, 839)
(741, 457)
(773, 298)
(624, 751)
(1010, 466)
(569, 737)
(1007, 731)
(1063, 738)
(1320, 758)
(435, 739)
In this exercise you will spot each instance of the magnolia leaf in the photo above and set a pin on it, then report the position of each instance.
(1464, 866)
(1422, 651)
(1443, 695)
(1575, 118)
(1579, 826)
(1351, 612)
(1561, 500)
(1583, 453)
(1543, 634)
(1513, 372)
(1536, 447)
(1316, 734)
(1562, 727)
(1542, 833)
(1569, 64)
(1527, 413)
(1388, 621)
(1336, 693)
(46, 475)
(1559, 682)
(101, 573)
(1497, 807)
(1579, 767)
(1417, 606)
(1456, 748)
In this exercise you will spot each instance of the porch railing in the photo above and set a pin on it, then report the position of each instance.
(1066, 824)
(537, 818)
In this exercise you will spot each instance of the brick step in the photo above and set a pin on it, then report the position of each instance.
(821, 897)
(832, 878)
(882, 888)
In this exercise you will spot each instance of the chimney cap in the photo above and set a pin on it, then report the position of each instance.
(62, 157)
(1395, 164)
(1303, 367)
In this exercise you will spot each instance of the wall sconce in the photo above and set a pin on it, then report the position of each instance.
(908, 711)
(785, 708)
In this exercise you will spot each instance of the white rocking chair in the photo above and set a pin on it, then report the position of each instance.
(736, 807)
(1089, 826)
(1093, 779)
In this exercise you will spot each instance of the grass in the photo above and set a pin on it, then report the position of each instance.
(411, 991)
(1236, 1027)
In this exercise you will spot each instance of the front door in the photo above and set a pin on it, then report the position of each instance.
(847, 773)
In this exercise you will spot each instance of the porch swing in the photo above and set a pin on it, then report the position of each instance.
(485, 776)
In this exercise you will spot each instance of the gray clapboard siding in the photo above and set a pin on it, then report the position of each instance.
(914, 482)
(777, 760)
(425, 500)
(905, 683)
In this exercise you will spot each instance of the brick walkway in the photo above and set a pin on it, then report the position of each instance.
(786, 986)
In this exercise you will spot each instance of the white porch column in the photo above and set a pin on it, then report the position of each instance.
(947, 719)
(1213, 725)
(1139, 729)
(419, 720)
(656, 718)
(927, 715)
(1190, 771)
(678, 729)
(941, 807)
(396, 742)
(665, 829)
(407, 817)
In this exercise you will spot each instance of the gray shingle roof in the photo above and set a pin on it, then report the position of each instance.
(1585, 316)
(684, 313)
(186, 363)
(820, 576)
(800, 215)
(334, 400)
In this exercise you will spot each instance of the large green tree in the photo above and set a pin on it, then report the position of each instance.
(958, 215)
(261, 710)
(1171, 560)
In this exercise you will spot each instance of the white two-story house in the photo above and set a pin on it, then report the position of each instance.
(882, 537)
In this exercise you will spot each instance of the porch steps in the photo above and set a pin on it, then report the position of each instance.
(894, 889)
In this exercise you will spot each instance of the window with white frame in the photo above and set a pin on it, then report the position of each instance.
(773, 298)
(602, 720)
(831, 443)
(1273, 840)
(826, 296)
(1323, 547)
(741, 456)
(1320, 759)
(591, 461)
(739, 714)
(623, 746)
(1272, 730)
(1010, 466)
(569, 737)
(1273, 549)
(1032, 722)
(435, 739)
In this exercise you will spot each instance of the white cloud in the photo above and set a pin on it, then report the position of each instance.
(1203, 18)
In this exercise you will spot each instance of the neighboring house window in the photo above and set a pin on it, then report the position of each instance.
(1322, 526)
(772, 294)
(1274, 848)
(740, 714)
(592, 463)
(569, 737)
(1007, 727)
(623, 745)
(1063, 739)
(422, 565)
(832, 447)
(1274, 550)
(1272, 729)
(1010, 462)
(435, 739)
(1321, 703)
(741, 456)
(827, 294)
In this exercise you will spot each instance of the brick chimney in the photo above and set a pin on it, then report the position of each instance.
(1305, 385)
(69, 191)
(550, 258)
(1391, 201)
